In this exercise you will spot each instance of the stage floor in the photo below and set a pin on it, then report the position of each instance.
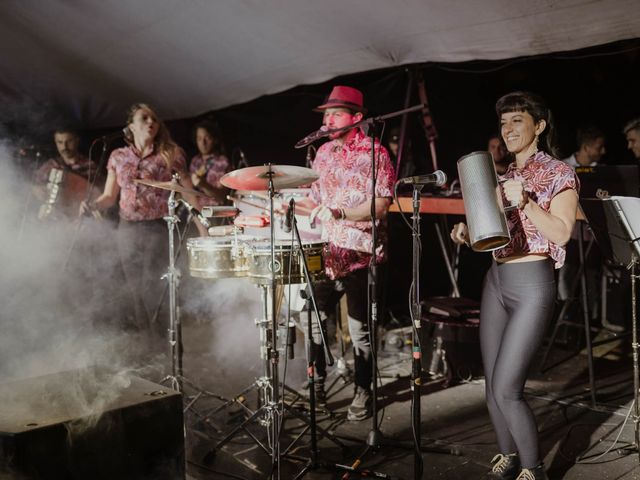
(574, 435)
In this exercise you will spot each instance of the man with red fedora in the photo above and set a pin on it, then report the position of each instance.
(341, 200)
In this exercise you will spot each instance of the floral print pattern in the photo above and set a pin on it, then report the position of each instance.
(544, 177)
(141, 202)
(345, 182)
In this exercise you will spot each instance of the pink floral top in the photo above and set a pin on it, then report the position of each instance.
(141, 202)
(215, 166)
(345, 182)
(544, 177)
(82, 166)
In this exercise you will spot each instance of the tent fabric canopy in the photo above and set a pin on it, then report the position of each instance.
(186, 57)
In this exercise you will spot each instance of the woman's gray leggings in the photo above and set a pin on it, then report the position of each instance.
(517, 303)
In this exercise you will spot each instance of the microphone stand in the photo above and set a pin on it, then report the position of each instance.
(313, 463)
(416, 318)
(375, 436)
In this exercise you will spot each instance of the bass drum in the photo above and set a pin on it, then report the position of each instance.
(219, 257)
(288, 267)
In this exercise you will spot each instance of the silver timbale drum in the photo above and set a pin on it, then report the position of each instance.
(482, 202)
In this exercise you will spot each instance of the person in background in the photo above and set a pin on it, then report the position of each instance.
(150, 154)
(632, 133)
(61, 183)
(69, 158)
(209, 165)
(590, 142)
(496, 148)
(519, 291)
(407, 165)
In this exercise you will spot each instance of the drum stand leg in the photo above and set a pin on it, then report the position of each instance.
(265, 415)
(176, 379)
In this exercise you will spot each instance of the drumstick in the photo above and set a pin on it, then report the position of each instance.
(300, 209)
(240, 200)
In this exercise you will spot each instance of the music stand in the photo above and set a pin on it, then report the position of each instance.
(621, 217)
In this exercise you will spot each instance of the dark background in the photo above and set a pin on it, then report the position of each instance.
(598, 85)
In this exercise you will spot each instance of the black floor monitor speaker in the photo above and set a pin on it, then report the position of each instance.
(89, 424)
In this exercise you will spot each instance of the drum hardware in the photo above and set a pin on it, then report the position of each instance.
(289, 264)
(237, 199)
(255, 221)
(219, 212)
(268, 412)
(176, 379)
(268, 177)
(219, 257)
(224, 230)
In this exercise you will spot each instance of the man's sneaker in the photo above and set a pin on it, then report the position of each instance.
(360, 407)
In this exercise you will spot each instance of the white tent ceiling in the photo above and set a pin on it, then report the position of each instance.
(95, 57)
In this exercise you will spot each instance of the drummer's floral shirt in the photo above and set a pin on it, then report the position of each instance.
(543, 177)
(141, 202)
(345, 182)
(211, 168)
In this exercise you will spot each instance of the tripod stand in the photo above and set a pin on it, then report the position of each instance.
(265, 415)
(625, 212)
(176, 378)
(619, 236)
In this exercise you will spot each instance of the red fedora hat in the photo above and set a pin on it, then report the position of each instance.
(345, 97)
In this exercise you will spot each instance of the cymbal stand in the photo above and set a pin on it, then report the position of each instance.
(176, 379)
(273, 407)
(269, 382)
(265, 387)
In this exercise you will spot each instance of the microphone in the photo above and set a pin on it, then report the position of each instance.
(193, 211)
(312, 137)
(288, 216)
(438, 177)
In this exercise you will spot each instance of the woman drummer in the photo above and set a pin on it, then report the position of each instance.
(519, 289)
(150, 154)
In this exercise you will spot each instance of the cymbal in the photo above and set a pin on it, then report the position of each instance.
(257, 178)
(176, 187)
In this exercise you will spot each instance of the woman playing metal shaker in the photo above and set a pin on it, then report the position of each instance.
(519, 289)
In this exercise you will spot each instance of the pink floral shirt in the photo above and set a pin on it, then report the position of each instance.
(345, 182)
(215, 167)
(544, 177)
(82, 166)
(141, 202)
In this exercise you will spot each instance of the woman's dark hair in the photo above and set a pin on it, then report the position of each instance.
(535, 106)
(212, 129)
